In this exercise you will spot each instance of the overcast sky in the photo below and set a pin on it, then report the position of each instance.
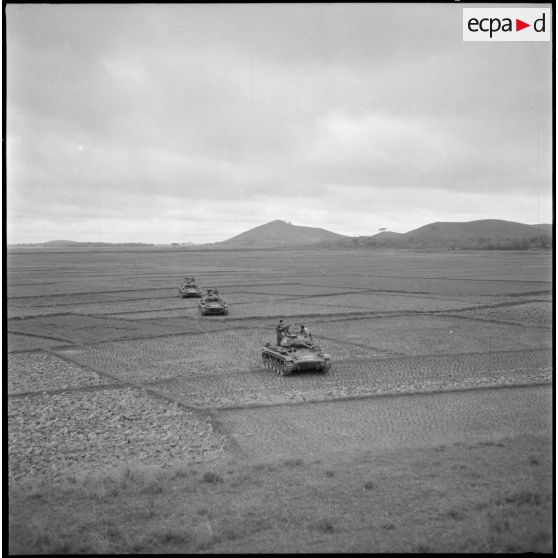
(193, 123)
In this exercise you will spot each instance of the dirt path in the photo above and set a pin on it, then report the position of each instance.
(380, 424)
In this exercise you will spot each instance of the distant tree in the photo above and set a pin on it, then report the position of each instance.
(541, 241)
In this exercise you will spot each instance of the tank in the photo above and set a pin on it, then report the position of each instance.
(212, 303)
(188, 289)
(295, 353)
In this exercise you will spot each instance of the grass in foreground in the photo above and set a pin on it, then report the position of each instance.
(484, 497)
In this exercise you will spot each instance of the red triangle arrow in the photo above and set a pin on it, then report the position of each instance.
(519, 25)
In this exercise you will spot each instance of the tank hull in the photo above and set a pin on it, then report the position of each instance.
(189, 292)
(213, 309)
(286, 361)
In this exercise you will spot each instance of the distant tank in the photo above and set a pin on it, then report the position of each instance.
(212, 303)
(189, 289)
(295, 352)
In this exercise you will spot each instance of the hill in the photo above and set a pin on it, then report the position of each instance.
(278, 234)
(487, 228)
(77, 244)
(56, 243)
(485, 234)
(384, 239)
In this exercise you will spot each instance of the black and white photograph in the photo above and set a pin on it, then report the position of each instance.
(279, 278)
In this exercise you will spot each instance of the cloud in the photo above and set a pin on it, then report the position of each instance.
(390, 151)
(220, 117)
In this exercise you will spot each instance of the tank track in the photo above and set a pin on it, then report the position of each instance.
(280, 367)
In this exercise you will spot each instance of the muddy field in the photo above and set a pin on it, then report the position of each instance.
(107, 365)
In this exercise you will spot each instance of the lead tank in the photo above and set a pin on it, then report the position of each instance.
(296, 352)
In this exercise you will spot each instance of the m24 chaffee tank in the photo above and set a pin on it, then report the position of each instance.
(296, 352)
(212, 303)
(188, 289)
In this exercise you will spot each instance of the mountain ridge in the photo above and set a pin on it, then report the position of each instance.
(279, 233)
(483, 234)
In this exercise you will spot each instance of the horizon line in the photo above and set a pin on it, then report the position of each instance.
(190, 243)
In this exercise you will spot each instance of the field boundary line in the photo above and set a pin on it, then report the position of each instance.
(338, 316)
(497, 305)
(202, 413)
(158, 335)
(92, 302)
(77, 293)
(448, 279)
(526, 293)
(39, 336)
(380, 395)
(195, 378)
(54, 315)
(102, 373)
(69, 389)
(363, 345)
(207, 413)
(80, 293)
(444, 355)
(395, 313)
(26, 351)
(505, 322)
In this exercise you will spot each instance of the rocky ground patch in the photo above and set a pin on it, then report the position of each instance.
(87, 432)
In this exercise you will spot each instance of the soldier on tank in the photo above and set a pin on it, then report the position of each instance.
(304, 331)
(280, 329)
